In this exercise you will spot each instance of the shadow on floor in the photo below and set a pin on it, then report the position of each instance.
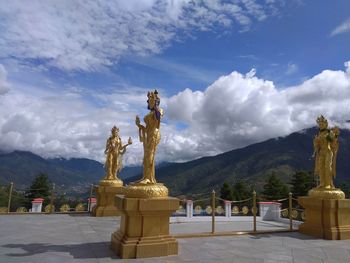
(87, 250)
(80, 214)
(291, 235)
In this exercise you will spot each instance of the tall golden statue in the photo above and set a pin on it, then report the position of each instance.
(145, 205)
(114, 152)
(325, 150)
(150, 137)
(326, 147)
(326, 209)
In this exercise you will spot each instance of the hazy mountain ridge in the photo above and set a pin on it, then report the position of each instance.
(21, 167)
(284, 155)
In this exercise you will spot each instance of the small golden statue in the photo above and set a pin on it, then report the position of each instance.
(149, 135)
(114, 152)
(326, 147)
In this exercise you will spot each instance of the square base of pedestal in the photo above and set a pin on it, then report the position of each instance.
(326, 218)
(144, 228)
(105, 201)
(160, 246)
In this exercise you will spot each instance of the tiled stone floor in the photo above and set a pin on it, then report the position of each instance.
(68, 238)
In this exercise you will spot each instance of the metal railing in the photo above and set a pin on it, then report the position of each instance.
(286, 208)
(215, 209)
(24, 201)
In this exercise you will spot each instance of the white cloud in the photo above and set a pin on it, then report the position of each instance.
(235, 111)
(85, 36)
(4, 85)
(342, 28)
(65, 124)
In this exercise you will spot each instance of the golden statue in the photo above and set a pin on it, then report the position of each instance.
(114, 152)
(325, 150)
(150, 137)
(326, 147)
(145, 205)
(325, 208)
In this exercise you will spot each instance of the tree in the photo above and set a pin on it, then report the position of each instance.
(226, 192)
(241, 191)
(17, 198)
(40, 187)
(302, 182)
(3, 196)
(344, 186)
(274, 188)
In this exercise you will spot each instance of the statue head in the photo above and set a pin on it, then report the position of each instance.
(322, 122)
(153, 100)
(115, 131)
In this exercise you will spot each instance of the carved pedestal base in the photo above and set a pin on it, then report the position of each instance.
(144, 227)
(106, 192)
(326, 218)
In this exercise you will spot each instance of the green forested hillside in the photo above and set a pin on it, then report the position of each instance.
(253, 163)
(21, 168)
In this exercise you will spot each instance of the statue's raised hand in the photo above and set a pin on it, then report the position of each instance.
(137, 120)
(129, 141)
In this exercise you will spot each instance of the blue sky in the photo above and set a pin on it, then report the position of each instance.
(285, 48)
(81, 68)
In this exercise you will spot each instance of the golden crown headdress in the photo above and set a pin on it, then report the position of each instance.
(321, 119)
(153, 94)
(115, 129)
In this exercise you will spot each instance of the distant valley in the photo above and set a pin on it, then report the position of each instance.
(21, 168)
(283, 155)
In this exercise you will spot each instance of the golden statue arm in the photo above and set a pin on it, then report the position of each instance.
(141, 129)
(107, 146)
(123, 148)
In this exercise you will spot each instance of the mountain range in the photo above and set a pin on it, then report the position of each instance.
(282, 155)
(21, 168)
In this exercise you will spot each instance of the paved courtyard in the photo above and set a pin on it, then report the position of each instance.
(73, 238)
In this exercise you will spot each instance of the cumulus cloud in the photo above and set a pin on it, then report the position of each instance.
(65, 124)
(85, 36)
(237, 110)
(342, 28)
(4, 85)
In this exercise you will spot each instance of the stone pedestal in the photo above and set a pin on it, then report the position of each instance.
(189, 208)
(37, 204)
(326, 218)
(106, 193)
(270, 211)
(144, 227)
(228, 212)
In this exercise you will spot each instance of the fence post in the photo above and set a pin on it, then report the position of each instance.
(52, 198)
(89, 204)
(9, 199)
(213, 212)
(254, 211)
(189, 208)
(290, 211)
(228, 208)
